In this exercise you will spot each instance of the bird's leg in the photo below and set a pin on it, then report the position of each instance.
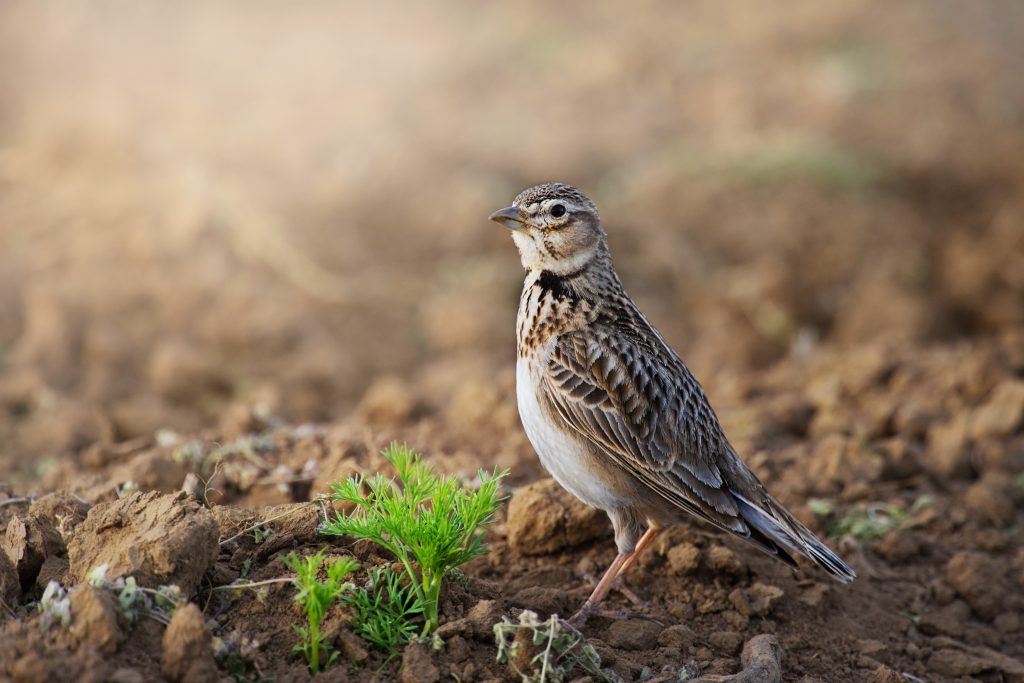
(601, 589)
(613, 577)
(641, 545)
(619, 583)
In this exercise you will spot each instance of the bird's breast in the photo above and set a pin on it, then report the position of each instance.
(568, 457)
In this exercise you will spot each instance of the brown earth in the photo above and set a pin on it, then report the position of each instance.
(242, 252)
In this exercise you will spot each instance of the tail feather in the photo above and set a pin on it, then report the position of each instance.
(781, 528)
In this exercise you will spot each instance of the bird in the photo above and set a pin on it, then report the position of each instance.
(614, 414)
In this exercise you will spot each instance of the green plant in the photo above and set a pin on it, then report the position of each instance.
(424, 519)
(548, 651)
(316, 596)
(385, 610)
(135, 600)
(868, 522)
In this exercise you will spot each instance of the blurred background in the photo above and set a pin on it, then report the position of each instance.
(283, 205)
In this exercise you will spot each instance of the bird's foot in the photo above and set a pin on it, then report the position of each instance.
(593, 610)
(628, 592)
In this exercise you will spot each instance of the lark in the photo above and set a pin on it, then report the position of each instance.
(613, 413)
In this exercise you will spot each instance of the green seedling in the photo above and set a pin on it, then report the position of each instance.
(386, 610)
(135, 600)
(431, 523)
(55, 606)
(868, 522)
(549, 651)
(316, 596)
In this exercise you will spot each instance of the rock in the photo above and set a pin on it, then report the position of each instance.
(10, 583)
(977, 578)
(158, 539)
(991, 498)
(417, 666)
(946, 621)
(478, 623)
(96, 619)
(954, 658)
(634, 634)
(188, 647)
(678, 637)
(28, 542)
(728, 642)
(757, 600)
(683, 558)
(62, 511)
(900, 545)
(946, 454)
(353, 648)
(544, 518)
(762, 663)
(884, 674)
(724, 560)
(1002, 414)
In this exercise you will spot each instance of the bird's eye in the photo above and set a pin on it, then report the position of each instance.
(558, 210)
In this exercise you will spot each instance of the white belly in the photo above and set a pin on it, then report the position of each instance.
(562, 455)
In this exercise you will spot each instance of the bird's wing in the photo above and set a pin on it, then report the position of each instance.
(630, 395)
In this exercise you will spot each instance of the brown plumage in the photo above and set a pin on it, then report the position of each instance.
(614, 414)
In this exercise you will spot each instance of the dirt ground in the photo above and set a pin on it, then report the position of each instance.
(252, 247)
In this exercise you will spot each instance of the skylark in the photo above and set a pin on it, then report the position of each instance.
(613, 413)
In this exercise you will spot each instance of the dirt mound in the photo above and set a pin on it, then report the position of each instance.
(158, 539)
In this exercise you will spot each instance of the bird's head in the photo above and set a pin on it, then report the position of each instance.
(555, 226)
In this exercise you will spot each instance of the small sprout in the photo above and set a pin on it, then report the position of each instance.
(316, 596)
(261, 533)
(821, 506)
(385, 610)
(246, 566)
(55, 605)
(97, 576)
(874, 521)
(430, 522)
(547, 651)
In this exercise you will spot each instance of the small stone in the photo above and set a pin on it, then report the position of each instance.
(417, 665)
(899, 545)
(678, 637)
(683, 558)
(728, 642)
(96, 619)
(722, 559)
(814, 595)
(762, 598)
(946, 621)
(978, 579)
(1003, 414)
(544, 518)
(188, 647)
(947, 454)
(353, 648)
(634, 634)
(990, 498)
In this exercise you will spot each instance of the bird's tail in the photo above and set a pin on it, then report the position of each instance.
(782, 529)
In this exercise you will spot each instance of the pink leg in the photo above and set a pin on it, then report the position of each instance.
(641, 545)
(614, 572)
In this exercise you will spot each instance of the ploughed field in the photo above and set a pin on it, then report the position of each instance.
(224, 288)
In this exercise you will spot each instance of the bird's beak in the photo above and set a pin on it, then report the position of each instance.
(510, 218)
